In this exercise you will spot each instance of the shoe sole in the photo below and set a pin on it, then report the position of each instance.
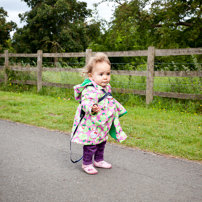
(102, 167)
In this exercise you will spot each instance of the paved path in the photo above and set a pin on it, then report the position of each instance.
(35, 166)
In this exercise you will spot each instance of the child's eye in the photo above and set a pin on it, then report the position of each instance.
(101, 74)
(108, 73)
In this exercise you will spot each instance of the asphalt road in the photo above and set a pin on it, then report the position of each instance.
(35, 166)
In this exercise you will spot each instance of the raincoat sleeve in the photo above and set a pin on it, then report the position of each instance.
(88, 99)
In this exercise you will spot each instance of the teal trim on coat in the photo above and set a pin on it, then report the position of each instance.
(123, 114)
(86, 81)
(112, 130)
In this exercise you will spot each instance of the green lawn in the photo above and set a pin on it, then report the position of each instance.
(152, 129)
(163, 84)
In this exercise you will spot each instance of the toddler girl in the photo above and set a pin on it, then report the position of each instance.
(101, 117)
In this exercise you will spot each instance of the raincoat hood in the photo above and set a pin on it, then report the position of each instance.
(78, 89)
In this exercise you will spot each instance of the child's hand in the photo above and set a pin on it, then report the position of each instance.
(95, 108)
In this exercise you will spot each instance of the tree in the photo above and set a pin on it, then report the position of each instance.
(55, 26)
(166, 24)
(178, 21)
(5, 29)
(163, 24)
(124, 33)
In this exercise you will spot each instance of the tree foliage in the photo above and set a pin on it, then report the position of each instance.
(5, 29)
(55, 26)
(138, 24)
(178, 21)
(165, 24)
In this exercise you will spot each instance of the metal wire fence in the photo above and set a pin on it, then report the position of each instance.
(164, 84)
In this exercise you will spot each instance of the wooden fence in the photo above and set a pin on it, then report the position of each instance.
(151, 53)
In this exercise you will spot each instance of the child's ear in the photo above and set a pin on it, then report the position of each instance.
(90, 75)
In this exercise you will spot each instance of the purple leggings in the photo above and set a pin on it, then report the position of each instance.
(96, 150)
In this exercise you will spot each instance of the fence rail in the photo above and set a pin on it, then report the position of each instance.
(151, 53)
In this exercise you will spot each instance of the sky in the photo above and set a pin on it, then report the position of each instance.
(14, 7)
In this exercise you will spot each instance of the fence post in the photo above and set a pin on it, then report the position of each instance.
(88, 54)
(150, 74)
(6, 66)
(39, 69)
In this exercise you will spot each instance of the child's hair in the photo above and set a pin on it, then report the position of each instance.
(99, 57)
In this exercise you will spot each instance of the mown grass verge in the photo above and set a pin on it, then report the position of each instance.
(167, 132)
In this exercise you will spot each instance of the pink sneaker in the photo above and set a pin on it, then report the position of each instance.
(102, 164)
(89, 169)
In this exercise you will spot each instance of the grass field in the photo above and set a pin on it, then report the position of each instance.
(157, 129)
(166, 126)
(163, 84)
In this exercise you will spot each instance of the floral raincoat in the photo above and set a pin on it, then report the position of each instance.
(95, 127)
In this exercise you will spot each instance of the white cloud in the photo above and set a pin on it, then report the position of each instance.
(14, 17)
(14, 7)
(105, 9)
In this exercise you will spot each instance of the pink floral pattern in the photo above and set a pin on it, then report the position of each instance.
(94, 127)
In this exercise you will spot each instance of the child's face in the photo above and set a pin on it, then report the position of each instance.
(101, 74)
